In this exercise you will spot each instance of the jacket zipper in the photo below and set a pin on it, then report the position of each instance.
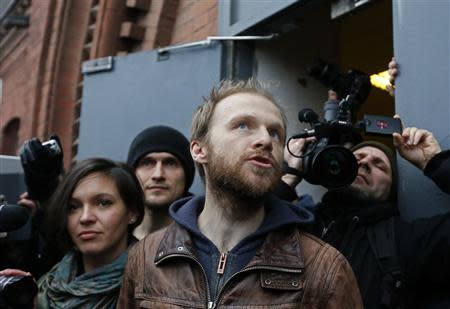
(326, 228)
(287, 270)
(222, 264)
(205, 280)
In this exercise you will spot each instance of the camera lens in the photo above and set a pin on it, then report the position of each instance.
(335, 166)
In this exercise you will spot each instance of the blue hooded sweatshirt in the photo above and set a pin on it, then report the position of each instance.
(279, 214)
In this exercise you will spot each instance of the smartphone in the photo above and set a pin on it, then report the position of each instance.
(382, 125)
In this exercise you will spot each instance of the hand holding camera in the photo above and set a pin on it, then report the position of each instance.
(17, 289)
(293, 153)
(42, 164)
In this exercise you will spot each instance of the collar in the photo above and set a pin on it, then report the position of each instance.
(281, 248)
(279, 214)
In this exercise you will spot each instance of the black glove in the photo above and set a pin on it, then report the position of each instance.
(42, 165)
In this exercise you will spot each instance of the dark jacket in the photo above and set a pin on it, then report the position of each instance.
(290, 269)
(438, 169)
(422, 246)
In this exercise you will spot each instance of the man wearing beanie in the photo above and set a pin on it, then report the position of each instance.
(162, 161)
(391, 258)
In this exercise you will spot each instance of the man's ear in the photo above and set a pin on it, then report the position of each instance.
(199, 152)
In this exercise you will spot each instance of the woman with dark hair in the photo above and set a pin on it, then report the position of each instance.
(91, 216)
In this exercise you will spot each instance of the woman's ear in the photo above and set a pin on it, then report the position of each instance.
(199, 152)
(132, 216)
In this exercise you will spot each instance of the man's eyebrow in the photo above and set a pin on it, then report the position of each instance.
(171, 160)
(277, 126)
(242, 117)
(379, 160)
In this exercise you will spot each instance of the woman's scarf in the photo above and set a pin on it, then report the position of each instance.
(99, 288)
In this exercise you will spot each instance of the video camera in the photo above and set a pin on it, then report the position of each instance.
(326, 161)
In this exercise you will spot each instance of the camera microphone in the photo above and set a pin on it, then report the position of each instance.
(308, 115)
(12, 217)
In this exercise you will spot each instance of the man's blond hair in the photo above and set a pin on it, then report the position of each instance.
(202, 117)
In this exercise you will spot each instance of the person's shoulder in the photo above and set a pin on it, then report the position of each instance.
(149, 242)
(143, 252)
(314, 247)
(312, 241)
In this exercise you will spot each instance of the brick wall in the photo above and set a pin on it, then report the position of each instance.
(40, 65)
(20, 68)
(195, 20)
(67, 74)
(173, 22)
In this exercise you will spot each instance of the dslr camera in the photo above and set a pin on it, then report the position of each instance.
(327, 161)
(17, 291)
(53, 146)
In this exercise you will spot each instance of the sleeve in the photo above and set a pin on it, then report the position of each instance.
(285, 192)
(438, 169)
(342, 291)
(127, 290)
(424, 249)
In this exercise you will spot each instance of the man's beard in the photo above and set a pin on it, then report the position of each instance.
(245, 184)
(354, 195)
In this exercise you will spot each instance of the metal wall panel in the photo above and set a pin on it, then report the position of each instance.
(422, 49)
(142, 91)
(236, 16)
(12, 183)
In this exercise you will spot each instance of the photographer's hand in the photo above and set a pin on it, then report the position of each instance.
(42, 167)
(13, 272)
(417, 146)
(393, 73)
(9, 272)
(332, 95)
(296, 147)
(27, 202)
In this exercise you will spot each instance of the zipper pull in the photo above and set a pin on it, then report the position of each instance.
(211, 305)
(222, 263)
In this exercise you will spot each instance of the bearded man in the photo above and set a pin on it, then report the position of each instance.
(238, 246)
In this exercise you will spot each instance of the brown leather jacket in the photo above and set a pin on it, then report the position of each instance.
(292, 269)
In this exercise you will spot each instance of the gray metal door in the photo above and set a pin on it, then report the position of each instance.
(236, 16)
(422, 49)
(141, 90)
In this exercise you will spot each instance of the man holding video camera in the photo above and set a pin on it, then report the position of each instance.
(390, 257)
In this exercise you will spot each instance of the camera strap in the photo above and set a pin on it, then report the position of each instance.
(290, 170)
